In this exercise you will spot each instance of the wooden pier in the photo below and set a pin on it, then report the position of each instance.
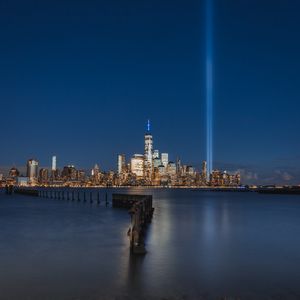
(141, 212)
(27, 192)
(139, 207)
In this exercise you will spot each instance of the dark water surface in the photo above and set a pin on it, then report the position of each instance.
(201, 245)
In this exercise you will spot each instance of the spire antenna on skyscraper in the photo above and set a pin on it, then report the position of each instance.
(148, 126)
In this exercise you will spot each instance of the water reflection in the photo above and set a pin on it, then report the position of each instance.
(199, 244)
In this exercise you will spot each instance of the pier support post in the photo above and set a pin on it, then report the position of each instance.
(141, 212)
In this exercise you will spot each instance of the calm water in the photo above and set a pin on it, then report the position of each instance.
(201, 245)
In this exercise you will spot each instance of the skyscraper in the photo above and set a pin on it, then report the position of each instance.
(204, 171)
(53, 163)
(95, 171)
(43, 176)
(13, 172)
(148, 156)
(155, 154)
(165, 159)
(69, 173)
(156, 162)
(121, 163)
(178, 166)
(32, 169)
(137, 165)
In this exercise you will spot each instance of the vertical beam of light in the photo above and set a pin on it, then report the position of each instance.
(209, 87)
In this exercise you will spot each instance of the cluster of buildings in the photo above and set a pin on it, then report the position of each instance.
(151, 168)
(67, 176)
(156, 169)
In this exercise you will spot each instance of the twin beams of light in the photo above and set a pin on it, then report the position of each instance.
(209, 85)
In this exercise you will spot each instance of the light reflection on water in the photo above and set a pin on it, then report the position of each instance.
(200, 245)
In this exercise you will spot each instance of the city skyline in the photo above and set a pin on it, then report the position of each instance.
(283, 177)
(247, 177)
(80, 86)
(153, 168)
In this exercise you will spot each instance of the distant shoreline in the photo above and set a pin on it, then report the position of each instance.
(292, 190)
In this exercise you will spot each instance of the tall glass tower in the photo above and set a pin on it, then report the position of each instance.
(53, 163)
(148, 155)
(32, 169)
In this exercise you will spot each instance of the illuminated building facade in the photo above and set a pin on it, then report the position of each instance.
(148, 163)
(22, 181)
(43, 176)
(121, 163)
(165, 159)
(80, 176)
(53, 168)
(219, 178)
(13, 172)
(155, 154)
(156, 162)
(69, 173)
(32, 170)
(95, 175)
(137, 165)
(204, 171)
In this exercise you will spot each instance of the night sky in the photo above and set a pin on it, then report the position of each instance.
(79, 79)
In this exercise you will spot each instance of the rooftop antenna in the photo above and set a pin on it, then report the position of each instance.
(148, 125)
